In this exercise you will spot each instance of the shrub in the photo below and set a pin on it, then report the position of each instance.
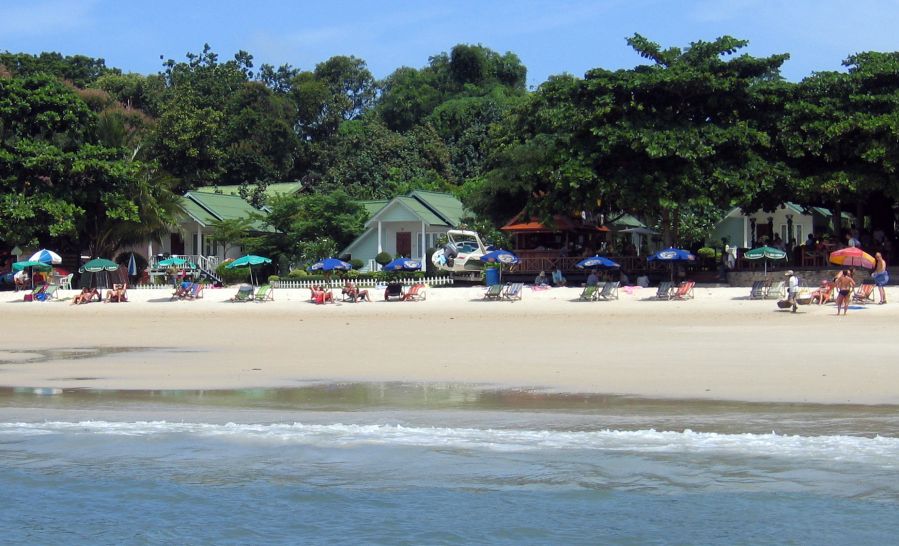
(383, 258)
(232, 276)
(357, 263)
(708, 253)
(273, 278)
(298, 274)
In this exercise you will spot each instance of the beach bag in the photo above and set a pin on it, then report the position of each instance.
(784, 304)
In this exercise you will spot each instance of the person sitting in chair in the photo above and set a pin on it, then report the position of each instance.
(117, 294)
(558, 278)
(541, 279)
(86, 295)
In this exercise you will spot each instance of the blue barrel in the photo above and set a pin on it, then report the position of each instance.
(491, 276)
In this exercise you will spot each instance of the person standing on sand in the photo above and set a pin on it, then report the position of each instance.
(881, 276)
(844, 285)
(792, 288)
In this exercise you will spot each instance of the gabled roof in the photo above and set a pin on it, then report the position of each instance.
(433, 208)
(206, 208)
(559, 223)
(275, 188)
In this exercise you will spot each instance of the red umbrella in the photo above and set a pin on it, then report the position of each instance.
(852, 257)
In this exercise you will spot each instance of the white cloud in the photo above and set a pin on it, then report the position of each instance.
(41, 18)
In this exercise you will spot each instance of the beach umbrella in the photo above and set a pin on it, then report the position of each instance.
(852, 257)
(403, 264)
(132, 266)
(330, 264)
(45, 256)
(31, 265)
(176, 262)
(97, 267)
(249, 261)
(671, 255)
(596, 262)
(765, 253)
(500, 256)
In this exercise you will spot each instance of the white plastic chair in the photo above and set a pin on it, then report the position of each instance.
(65, 283)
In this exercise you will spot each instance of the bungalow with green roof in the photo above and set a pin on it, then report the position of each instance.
(271, 190)
(192, 238)
(790, 222)
(407, 225)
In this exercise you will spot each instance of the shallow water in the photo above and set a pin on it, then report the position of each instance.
(440, 464)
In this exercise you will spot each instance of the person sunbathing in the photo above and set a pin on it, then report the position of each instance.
(320, 295)
(86, 295)
(352, 291)
(117, 294)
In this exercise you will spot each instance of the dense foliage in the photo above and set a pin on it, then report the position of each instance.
(93, 158)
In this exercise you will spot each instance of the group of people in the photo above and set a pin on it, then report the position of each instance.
(118, 293)
(844, 283)
(558, 279)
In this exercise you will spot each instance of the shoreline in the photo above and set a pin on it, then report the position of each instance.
(718, 346)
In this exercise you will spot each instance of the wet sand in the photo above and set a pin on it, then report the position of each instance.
(718, 346)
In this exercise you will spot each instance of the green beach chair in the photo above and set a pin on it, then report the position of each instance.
(589, 293)
(244, 293)
(50, 292)
(664, 292)
(265, 292)
(494, 292)
(759, 290)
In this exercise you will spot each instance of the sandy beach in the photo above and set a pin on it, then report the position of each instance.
(720, 345)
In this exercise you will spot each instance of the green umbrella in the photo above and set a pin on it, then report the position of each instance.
(249, 261)
(766, 253)
(169, 262)
(96, 266)
(40, 266)
(99, 264)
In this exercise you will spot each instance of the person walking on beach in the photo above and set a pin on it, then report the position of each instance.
(792, 288)
(881, 276)
(844, 284)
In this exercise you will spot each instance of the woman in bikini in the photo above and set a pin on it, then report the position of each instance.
(844, 284)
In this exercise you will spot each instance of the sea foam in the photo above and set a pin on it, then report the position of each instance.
(871, 450)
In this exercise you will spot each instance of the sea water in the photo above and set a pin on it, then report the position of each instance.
(413, 464)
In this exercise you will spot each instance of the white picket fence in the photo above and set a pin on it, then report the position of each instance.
(361, 283)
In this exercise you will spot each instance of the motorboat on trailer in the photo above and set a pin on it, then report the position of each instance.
(461, 253)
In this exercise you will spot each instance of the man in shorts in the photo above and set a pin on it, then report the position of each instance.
(844, 284)
(792, 288)
(881, 276)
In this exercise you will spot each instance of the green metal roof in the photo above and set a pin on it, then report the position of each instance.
(271, 190)
(628, 221)
(372, 207)
(443, 204)
(217, 206)
(423, 212)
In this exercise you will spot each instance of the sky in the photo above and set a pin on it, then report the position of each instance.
(550, 37)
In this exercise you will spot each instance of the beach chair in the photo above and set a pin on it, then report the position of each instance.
(394, 291)
(684, 291)
(49, 293)
(265, 293)
(244, 293)
(321, 296)
(609, 291)
(589, 293)
(512, 291)
(196, 291)
(664, 292)
(118, 294)
(759, 290)
(864, 293)
(416, 293)
(494, 292)
(776, 290)
(182, 291)
(823, 293)
(65, 283)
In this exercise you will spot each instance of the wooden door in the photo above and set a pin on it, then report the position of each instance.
(177, 244)
(404, 244)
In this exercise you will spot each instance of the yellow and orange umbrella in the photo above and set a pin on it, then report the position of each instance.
(852, 257)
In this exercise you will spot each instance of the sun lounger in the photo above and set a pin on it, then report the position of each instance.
(494, 292)
(609, 291)
(182, 291)
(759, 290)
(665, 290)
(265, 293)
(244, 293)
(321, 296)
(50, 292)
(864, 293)
(512, 291)
(684, 291)
(394, 291)
(777, 290)
(416, 293)
(117, 294)
(589, 293)
(823, 293)
(196, 291)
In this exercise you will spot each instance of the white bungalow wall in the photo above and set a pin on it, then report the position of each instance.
(802, 225)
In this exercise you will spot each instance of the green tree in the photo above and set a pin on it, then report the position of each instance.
(230, 232)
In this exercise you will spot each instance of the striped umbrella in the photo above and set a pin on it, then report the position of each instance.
(45, 256)
(852, 257)
(765, 253)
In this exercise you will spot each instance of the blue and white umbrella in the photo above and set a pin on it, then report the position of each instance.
(500, 256)
(45, 257)
(672, 255)
(403, 264)
(330, 264)
(596, 262)
(132, 266)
